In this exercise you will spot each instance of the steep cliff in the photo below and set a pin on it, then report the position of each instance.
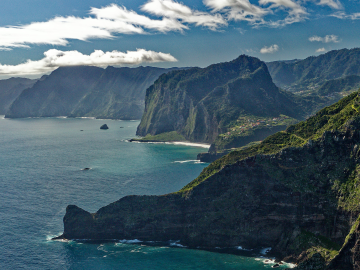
(297, 192)
(118, 94)
(200, 104)
(57, 94)
(115, 93)
(10, 89)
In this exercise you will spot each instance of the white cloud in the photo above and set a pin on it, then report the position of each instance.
(104, 23)
(58, 30)
(243, 10)
(321, 50)
(238, 10)
(175, 10)
(116, 13)
(335, 4)
(55, 58)
(296, 12)
(343, 15)
(271, 49)
(326, 39)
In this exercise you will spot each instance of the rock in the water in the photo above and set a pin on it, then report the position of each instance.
(104, 126)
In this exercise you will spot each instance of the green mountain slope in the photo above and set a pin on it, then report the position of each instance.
(341, 86)
(199, 104)
(312, 72)
(296, 192)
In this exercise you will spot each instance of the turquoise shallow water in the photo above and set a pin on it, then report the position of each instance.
(41, 162)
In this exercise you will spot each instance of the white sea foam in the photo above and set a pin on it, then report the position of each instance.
(176, 244)
(202, 145)
(61, 117)
(134, 241)
(268, 261)
(187, 161)
(241, 248)
(2, 116)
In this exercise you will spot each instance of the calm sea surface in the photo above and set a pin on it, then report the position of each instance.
(41, 173)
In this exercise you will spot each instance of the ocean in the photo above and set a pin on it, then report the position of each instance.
(42, 162)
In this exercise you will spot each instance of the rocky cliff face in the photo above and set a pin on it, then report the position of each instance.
(115, 93)
(200, 104)
(118, 94)
(10, 89)
(56, 95)
(260, 201)
(295, 192)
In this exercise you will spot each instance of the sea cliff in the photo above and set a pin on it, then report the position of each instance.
(295, 192)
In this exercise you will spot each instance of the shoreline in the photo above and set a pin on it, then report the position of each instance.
(257, 254)
(200, 145)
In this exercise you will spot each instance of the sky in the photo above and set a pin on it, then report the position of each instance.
(38, 36)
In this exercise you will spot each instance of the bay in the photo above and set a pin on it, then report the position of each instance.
(42, 162)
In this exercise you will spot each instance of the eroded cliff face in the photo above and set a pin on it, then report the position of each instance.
(200, 103)
(83, 91)
(261, 201)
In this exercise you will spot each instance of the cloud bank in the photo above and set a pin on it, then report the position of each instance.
(326, 39)
(106, 22)
(271, 49)
(112, 20)
(55, 58)
(344, 16)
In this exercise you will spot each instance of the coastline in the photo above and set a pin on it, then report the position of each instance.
(186, 143)
(258, 254)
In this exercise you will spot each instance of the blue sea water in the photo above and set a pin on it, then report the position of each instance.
(41, 173)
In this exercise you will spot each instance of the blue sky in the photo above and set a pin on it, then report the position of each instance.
(37, 36)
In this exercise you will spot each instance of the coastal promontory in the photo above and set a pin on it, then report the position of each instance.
(295, 192)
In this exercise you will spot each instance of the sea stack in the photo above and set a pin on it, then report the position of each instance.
(104, 126)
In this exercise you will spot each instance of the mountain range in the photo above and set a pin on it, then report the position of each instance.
(115, 93)
(312, 72)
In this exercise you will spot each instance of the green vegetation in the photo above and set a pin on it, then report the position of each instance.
(334, 117)
(315, 244)
(311, 73)
(349, 192)
(249, 128)
(352, 231)
(236, 99)
(172, 136)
